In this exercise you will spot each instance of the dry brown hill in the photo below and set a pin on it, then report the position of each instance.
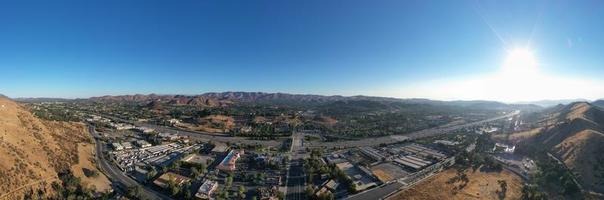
(33, 151)
(575, 134)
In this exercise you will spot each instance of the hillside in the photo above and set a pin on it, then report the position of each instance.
(34, 150)
(575, 135)
(599, 103)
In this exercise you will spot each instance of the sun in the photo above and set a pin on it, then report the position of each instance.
(520, 61)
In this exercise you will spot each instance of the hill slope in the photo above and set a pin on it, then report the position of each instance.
(576, 137)
(34, 150)
(599, 103)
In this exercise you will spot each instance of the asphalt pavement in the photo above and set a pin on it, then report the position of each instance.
(296, 179)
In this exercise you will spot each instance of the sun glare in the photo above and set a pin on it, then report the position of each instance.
(520, 61)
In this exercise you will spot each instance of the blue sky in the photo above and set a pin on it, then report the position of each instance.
(385, 48)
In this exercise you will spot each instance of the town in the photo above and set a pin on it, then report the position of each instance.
(167, 163)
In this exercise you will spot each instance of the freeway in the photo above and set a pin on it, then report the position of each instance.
(410, 136)
(116, 176)
(203, 136)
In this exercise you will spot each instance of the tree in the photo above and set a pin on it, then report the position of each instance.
(229, 180)
(135, 192)
(309, 191)
(186, 189)
(204, 167)
(195, 172)
(151, 174)
(241, 190)
(173, 188)
(503, 189)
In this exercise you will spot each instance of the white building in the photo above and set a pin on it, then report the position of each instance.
(117, 146)
(142, 143)
(144, 129)
(207, 188)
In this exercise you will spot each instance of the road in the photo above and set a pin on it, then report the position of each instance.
(203, 136)
(295, 178)
(410, 136)
(117, 177)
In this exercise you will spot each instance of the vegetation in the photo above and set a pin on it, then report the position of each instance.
(71, 188)
(553, 175)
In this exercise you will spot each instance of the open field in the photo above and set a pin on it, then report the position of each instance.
(481, 185)
(87, 163)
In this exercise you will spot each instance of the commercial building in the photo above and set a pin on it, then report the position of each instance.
(169, 136)
(120, 126)
(142, 144)
(127, 145)
(164, 179)
(359, 176)
(117, 146)
(143, 129)
(228, 163)
(207, 188)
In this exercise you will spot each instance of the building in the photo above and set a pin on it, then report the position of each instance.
(117, 146)
(140, 173)
(331, 185)
(446, 142)
(196, 159)
(506, 148)
(142, 144)
(228, 163)
(143, 129)
(372, 153)
(164, 179)
(219, 148)
(174, 121)
(359, 176)
(127, 145)
(120, 126)
(207, 188)
(169, 136)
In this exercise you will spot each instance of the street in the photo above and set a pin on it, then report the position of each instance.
(295, 179)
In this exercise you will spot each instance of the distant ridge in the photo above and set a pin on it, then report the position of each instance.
(214, 99)
(552, 102)
(40, 99)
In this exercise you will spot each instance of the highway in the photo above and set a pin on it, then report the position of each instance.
(116, 176)
(390, 139)
(202, 136)
(410, 136)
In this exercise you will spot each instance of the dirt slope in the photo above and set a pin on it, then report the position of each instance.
(32, 149)
(576, 136)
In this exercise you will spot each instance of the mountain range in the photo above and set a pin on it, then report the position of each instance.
(215, 99)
